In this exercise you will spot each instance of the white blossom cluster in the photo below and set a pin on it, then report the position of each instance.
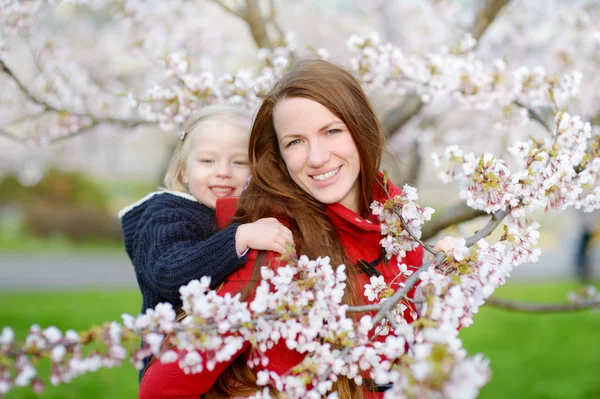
(457, 73)
(65, 352)
(398, 238)
(555, 172)
(182, 90)
(17, 16)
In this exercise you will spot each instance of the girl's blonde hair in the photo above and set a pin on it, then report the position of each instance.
(224, 113)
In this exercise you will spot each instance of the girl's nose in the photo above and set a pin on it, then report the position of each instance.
(224, 170)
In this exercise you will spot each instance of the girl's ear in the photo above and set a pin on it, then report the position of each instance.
(184, 175)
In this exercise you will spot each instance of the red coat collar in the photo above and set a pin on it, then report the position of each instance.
(347, 219)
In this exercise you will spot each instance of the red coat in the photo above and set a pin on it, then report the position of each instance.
(360, 237)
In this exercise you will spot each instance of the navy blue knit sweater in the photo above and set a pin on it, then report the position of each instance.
(171, 239)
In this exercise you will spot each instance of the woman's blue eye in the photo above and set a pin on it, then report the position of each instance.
(293, 142)
(334, 131)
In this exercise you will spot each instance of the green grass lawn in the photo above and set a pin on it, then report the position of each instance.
(532, 356)
(79, 311)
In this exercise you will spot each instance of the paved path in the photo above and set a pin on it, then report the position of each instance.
(65, 271)
(89, 270)
(73, 271)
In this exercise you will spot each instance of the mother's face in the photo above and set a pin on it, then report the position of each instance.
(318, 150)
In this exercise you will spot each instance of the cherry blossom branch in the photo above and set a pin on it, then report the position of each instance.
(93, 120)
(386, 307)
(396, 118)
(543, 307)
(456, 214)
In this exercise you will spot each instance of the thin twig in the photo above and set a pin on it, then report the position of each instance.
(542, 307)
(22, 87)
(272, 18)
(534, 115)
(10, 136)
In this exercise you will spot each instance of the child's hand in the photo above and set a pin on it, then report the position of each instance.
(265, 234)
(445, 244)
(454, 245)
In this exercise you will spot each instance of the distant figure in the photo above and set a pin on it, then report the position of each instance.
(589, 225)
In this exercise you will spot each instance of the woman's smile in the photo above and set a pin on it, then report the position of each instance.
(318, 150)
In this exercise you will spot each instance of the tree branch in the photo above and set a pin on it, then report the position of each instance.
(534, 115)
(495, 220)
(543, 307)
(252, 15)
(486, 15)
(257, 24)
(22, 87)
(456, 214)
(394, 119)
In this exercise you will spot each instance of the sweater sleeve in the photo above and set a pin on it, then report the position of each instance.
(178, 251)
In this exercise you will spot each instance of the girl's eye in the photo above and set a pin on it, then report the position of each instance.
(243, 163)
(293, 142)
(207, 161)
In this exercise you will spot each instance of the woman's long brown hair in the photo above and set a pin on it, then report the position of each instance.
(272, 192)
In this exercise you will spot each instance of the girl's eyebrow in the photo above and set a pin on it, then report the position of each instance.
(217, 152)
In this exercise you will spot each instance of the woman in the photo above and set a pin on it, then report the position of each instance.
(315, 151)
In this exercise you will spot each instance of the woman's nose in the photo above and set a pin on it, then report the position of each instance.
(318, 155)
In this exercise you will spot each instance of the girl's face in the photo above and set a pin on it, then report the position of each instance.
(318, 150)
(217, 163)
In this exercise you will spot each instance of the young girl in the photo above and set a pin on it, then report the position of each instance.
(171, 235)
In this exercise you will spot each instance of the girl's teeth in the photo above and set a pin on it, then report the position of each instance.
(221, 189)
(325, 176)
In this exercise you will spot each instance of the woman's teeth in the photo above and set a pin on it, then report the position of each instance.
(326, 176)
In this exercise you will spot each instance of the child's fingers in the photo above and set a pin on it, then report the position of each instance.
(284, 241)
(279, 248)
(445, 244)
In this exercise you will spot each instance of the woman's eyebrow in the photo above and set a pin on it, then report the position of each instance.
(328, 125)
(289, 136)
(325, 127)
